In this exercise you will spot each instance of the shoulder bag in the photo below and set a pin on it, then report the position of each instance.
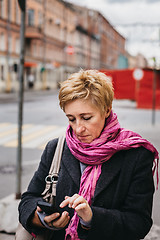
(48, 194)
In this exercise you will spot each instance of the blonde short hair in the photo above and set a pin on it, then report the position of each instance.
(88, 85)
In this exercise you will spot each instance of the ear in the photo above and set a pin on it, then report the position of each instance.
(108, 111)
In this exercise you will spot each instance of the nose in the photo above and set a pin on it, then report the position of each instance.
(80, 128)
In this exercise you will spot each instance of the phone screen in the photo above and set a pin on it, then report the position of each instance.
(47, 207)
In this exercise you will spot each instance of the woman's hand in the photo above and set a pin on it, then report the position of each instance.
(80, 205)
(60, 222)
(51, 219)
(35, 220)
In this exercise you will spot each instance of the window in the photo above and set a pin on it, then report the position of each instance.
(9, 44)
(2, 9)
(17, 13)
(9, 10)
(17, 46)
(2, 42)
(34, 50)
(2, 72)
(40, 19)
(30, 17)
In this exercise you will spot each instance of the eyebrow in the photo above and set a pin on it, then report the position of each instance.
(82, 114)
(69, 115)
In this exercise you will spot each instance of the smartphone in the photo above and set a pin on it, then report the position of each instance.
(46, 207)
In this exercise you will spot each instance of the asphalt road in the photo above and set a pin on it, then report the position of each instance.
(42, 114)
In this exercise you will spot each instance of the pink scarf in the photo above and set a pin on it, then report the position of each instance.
(112, 139)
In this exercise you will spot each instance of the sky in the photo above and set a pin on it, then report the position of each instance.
(142, 38)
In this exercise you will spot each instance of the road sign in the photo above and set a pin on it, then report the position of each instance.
(138, 74)
(69, 50)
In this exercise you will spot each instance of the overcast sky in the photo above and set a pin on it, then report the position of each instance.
(142, 38)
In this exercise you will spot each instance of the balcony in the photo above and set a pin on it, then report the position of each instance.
(33, 32)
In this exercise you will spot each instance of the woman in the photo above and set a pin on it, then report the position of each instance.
(105, 186)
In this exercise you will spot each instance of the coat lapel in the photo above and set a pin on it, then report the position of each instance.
(110, 170)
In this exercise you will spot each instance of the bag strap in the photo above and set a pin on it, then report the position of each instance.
(52, 178)
(54, 169)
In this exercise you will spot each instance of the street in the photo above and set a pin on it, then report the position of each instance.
(44, 120)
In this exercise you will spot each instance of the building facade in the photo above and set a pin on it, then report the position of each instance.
(9, 43)
(138, 61)
(112, 45)
(60, 38)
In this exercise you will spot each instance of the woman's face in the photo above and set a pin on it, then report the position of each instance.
(85, 119)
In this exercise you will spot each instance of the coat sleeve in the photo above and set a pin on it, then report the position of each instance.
(36, 186)
(130, 219)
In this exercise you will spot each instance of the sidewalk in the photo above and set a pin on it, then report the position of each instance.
(28, 95)
(4, 236)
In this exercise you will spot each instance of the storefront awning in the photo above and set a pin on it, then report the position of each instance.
(30, 64)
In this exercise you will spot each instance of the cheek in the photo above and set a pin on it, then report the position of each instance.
(97, 129)
(72, 125)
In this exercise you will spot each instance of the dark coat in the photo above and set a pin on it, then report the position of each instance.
(122, 203)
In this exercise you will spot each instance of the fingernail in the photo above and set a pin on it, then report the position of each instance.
(66, 213)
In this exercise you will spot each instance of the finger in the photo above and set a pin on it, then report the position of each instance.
(65, 220)
(39, 209)
(81, 206)
(69, 201)
(62, 221)
(72, 200)
(65, 202)
(51, 217)
(78, 201)
(84, 211)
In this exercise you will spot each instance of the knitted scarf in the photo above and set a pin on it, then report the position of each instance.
(112, 139)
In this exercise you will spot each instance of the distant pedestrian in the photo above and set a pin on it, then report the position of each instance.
(105, 183)
(30, 80)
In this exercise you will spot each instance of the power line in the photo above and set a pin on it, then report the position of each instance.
(137, 24)
(140, 31)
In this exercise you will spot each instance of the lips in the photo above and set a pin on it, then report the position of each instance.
(83, 138)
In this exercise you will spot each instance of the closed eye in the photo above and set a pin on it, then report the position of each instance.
(87, 118)
(71, 119)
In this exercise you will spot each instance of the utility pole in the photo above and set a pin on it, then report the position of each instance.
(22, 4)
(43, 70)
(8, 79)
(65, 19)
(154, 92)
